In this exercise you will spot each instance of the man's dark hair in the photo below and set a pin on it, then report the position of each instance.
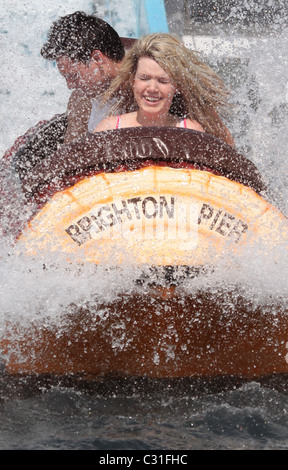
(77, 35)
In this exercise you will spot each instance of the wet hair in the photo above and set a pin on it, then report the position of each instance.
(200, 92)
(77, 35)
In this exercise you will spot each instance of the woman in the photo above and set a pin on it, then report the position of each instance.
(162, 83)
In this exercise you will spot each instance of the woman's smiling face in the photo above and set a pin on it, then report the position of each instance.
(153, 89)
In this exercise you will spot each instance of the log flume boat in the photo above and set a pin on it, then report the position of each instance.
(178, 203)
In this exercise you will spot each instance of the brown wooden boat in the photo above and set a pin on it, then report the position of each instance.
(175, 201)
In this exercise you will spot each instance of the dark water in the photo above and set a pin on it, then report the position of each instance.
(61, 417)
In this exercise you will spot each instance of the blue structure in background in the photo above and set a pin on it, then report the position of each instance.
(149, 16)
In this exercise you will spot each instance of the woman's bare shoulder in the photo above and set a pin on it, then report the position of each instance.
(196, 126)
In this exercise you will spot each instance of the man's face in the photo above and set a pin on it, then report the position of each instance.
(90, 76)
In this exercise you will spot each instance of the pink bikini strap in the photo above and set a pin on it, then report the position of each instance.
(185, 123)
(117, 122)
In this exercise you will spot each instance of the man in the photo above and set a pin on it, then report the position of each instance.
(88, 53)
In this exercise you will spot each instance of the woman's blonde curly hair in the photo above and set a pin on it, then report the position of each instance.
(200, 92)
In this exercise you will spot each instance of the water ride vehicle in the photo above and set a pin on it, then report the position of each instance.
(177, 203)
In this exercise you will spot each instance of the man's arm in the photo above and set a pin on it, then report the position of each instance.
(78, 112)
